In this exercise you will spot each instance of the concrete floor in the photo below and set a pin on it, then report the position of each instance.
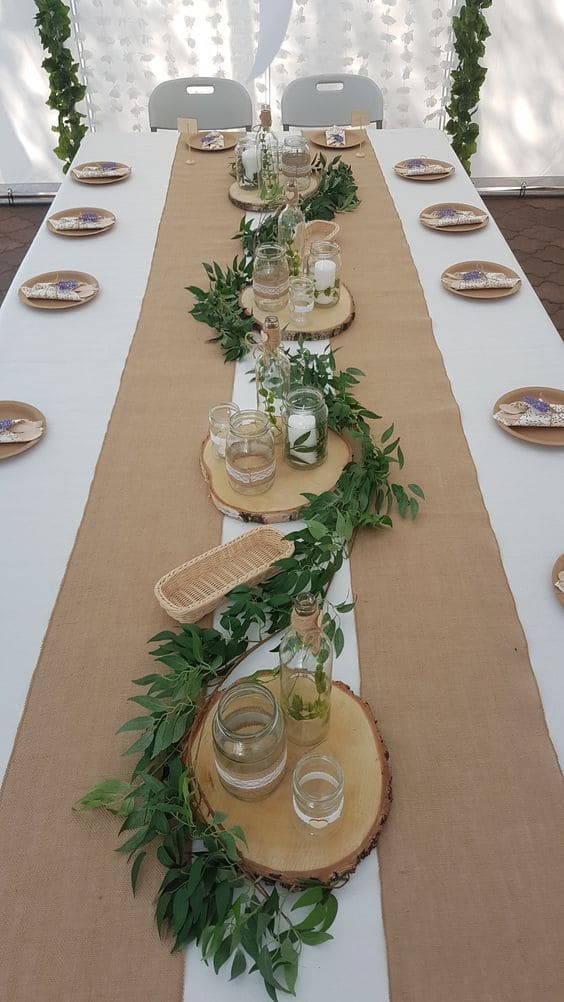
(533, 228)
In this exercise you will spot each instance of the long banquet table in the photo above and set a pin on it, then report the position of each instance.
(70, 367)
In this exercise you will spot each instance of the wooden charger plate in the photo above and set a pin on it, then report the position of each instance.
(284, 501)
(460, 207)
(277, 847)
(321, 323)
(99, 180)
(230, 139)
(482, 293)
(556, 570)
(353, 137)
(17, 409)
(59, 276)
(102, 213)
(449, 169)
(538, 436)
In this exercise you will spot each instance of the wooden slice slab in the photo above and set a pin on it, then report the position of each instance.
(556, 570)
(104, 215)
(248, 198)
(278, 848)
(538, 436)
(17, 409)
(284, 501)
(463, 266)
(321, 323)
(230, 139)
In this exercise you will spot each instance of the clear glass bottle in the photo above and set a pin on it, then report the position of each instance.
(295, 160)
(246, 163)
(306, 664)
(304, 418)
(270, 278)
(291, 229)
(249, 741)
(250, 461)
(268, 158)
(272, 372)
(324, 266)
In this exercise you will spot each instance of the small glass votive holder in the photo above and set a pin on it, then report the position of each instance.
(219, 418)
(318, 792)
(301, 291)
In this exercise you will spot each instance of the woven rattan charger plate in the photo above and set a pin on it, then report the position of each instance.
(459, 207)
(17, 409)
(537, 436)
(463, 266)
(353, 137)
(102, 213)
(556, 570)
(99, 180)
(197, 587)
(277, 848)
(448, 170)
(230, 139)
(54, 277)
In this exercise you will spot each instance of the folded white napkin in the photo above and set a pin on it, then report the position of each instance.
(19, 430)
(83, 221)
(67, 289)
(335, 136)
(102, 169)
(453, 217)
(213, 140)
(559, 583)
(478, 279)
(532, 412)
(414, 168)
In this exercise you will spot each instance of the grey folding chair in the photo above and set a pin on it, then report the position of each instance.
(216, 103)
(330, 99)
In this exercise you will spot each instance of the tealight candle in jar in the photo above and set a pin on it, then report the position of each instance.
(305, 427)
(325, 269)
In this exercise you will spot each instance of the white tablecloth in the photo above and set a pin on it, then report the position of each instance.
(73, 371)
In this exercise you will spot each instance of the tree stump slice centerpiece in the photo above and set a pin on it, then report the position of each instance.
(278, 848)
(320, 324)
(284, 501)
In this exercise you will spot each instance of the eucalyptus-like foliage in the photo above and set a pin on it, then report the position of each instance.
(205, 895)
(470, 32)
(53, 22)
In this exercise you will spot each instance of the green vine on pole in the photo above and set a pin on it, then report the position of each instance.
(470, 32)
(53, 23)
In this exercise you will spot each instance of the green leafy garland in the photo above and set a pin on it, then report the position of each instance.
(218, 305)
(54, 26)
(470, 32)
(205, 895)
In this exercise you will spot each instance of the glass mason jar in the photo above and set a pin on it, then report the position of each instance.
(318, 792)
(249, 741)
(324, 266)
(306, 664)
(270, 278)
(305, 427)
(246, 163)
(250, 461)
(301, 299)
(219, 417)
(296, 160)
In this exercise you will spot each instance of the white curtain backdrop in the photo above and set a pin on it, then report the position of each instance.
(126, 47)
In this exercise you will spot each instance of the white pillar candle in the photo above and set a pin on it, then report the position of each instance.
(250, 163)
(325, 272)
(299, 425)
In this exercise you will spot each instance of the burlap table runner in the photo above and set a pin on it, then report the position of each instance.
(469, 858)
(472, 862)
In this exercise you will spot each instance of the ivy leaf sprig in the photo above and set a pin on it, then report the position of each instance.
(470, 30)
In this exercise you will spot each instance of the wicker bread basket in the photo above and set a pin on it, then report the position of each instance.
(192, 590)
(321, 229)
